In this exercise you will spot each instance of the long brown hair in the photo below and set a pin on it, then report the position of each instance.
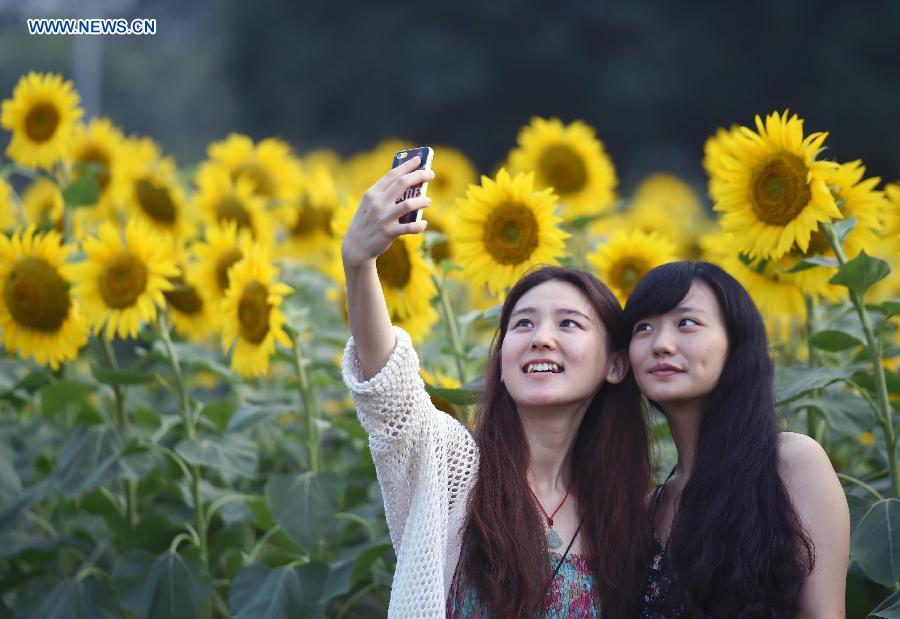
(505, 556)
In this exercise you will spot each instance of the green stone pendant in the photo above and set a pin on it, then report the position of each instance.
(553, 539)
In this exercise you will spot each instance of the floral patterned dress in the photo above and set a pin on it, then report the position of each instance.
(569, 596)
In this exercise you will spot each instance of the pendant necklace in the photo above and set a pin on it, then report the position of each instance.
(554, 541)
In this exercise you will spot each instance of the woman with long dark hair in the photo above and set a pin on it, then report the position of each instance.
(751, 522)
(540, 512)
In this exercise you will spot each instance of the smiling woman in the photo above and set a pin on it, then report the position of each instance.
(534, 512)
(751, 522)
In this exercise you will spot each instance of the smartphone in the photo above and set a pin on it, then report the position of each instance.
(426, 155)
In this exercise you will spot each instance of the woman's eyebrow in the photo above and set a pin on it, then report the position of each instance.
(562, 310)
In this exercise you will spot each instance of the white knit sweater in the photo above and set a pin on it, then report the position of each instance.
(426, 463)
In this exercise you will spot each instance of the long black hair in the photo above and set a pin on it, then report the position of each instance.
(506, 560)
(737, 547)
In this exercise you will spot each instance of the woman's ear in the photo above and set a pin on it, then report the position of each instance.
(618, 367)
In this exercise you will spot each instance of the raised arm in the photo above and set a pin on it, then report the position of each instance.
(372, 230)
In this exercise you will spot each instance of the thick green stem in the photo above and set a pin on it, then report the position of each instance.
(191, 429)
(122, 423)
(310, 405)
(884, 412)
(814, 422)
(459, 351)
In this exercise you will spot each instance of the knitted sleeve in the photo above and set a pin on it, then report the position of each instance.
(414, 445)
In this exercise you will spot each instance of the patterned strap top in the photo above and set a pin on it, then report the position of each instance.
(656, 581)
(569, 596)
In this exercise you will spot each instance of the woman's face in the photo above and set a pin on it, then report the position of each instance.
(678, 357)
(555, 348)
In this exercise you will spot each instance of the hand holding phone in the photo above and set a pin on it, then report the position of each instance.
(426, 155)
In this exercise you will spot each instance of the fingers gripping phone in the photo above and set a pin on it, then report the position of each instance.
(426, 155)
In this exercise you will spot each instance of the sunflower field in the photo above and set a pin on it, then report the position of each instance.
(175, 437)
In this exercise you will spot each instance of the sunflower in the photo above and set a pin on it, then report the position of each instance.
(222, 199)
(771, 189)
(123, 279)
(419, 324)
(42, 114)
(224, 246)
(624, 259)
(504, 228)
(307, 218)
(191, 311)
(100, 143)
(39, 317)
(270, 168)
(252, 320)
(777, 296)
(43, 204)
(665, 204)
(571, 160)
(153, 192)
(405, 275)
(856, 197)
(8, 217)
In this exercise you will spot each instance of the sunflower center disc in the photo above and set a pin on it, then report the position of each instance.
(263, 184)
(394, 266)
(225, 262)
(563, 169)
(231, 209)
(627, 274)
(184, 298)
(511, 233)
(253, 312)
(155, 201)
(92, 154)
(36, 295)
(123, 281)
(41, 122)
(780, 190)
(310, 219)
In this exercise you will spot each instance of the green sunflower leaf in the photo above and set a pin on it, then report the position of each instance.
(232, 454)
(304, 506)
(834, 341)
(85, 190)
(861, 273)
(170, 586)
(875, 542)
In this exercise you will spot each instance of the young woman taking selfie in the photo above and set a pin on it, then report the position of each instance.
(537, 513)
(751, 522)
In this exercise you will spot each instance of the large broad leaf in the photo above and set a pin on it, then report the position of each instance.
(60, 396)
(170, 586)
(84, 191)
(304, 505)
(834, 341)
(259, 592)
(14, 508)
(248, 415)
(10, 482)
(861, 273)
(87, 458)
(875, 543)
(795, 381)
(889, 607)
(847, 414)
(88, 598)
(232, 454)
